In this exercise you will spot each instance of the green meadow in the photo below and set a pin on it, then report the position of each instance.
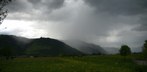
(101, 63)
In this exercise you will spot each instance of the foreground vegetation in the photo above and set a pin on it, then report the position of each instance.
(102, 63)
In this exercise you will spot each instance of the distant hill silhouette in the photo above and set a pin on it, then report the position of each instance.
(111, 50)
(37, 47)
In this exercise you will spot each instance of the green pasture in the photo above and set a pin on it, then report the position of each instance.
(101, 63)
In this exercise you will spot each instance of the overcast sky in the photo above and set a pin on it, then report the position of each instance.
(108, 23)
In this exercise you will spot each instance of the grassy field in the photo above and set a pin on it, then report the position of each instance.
(106, 63)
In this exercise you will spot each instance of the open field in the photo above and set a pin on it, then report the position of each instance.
(106, 63)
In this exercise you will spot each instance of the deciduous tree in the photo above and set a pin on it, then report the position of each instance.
(125, 50)
(145, 49)
(3, 12)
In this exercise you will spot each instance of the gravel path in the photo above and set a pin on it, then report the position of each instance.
(140, 62)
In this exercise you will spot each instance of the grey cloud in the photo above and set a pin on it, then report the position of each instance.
(88, 26)
(92, 21)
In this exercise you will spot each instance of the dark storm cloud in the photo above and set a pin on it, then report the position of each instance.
(123, 7)
(117, 7)
(50, 4)
(143, 25)
(18, 6)
(34, 9)
(35, 1)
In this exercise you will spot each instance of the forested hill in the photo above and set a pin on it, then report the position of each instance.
(18, 46)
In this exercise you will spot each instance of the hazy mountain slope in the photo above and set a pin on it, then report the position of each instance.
(111, 50)
(87, 48)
